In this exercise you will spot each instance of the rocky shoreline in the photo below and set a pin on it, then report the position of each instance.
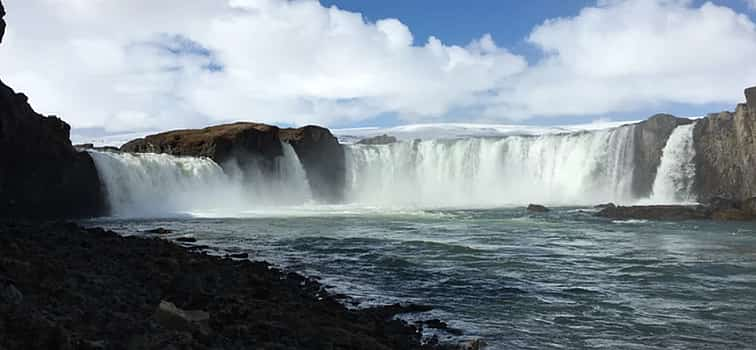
(66, 287)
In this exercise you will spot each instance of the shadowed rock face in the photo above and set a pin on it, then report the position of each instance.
(257, 145)
(2, 21)
(41, 174)
(650, 137)
(726, 152)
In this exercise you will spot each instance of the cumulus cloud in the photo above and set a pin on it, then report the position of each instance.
(127, 65)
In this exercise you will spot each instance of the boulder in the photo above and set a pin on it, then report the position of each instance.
(41, 174)
(537, 208)
(378, 140)
(159, 231)
(171, 317)
(9, 294)
(605, 205)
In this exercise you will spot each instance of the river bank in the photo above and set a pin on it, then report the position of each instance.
(66, 287)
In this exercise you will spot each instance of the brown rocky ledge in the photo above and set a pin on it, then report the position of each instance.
(242, 144)
(66, 287)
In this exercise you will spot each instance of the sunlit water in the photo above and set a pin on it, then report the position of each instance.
(558, 280)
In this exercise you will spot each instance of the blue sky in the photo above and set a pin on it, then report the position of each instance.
(509, 22)
(360, 63)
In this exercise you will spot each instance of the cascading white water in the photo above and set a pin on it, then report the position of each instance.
(576, 168)
(676, 172)
(147, 185)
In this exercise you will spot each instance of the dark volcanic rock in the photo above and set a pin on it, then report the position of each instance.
(378, 140)
(726, 152)
(655, 212)
(92, 288)
(649, 139)
(537, 208)
(2, 21)
(41, 174)
(323, 159)
(252, 146)
(717, 209)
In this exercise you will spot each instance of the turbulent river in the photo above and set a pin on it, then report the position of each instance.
(442, 222)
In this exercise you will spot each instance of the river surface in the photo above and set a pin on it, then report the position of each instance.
(563, 279)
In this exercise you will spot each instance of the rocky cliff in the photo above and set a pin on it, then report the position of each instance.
(649, 138)
(322, 158)
(726, 152)
(257, 145)
(41, 174)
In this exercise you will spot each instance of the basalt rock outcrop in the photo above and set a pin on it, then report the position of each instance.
(322, 158)
(41, 174)
(649, 138)
(726, 152)
(257, 146)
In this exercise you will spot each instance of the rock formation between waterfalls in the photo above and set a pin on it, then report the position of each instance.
(41, 174)
(649, 138)
(254, 145)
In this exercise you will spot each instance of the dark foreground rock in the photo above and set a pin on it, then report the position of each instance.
(64, 287)
(716, 209)
(41, 174)
(254, 146)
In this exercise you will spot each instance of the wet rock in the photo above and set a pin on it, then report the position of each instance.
(389, 311)
(476, 344)
(9, 294)
(171, 317)
(605, 205)
(655, 212)
(537, 208)
(159, 231)
(378, 140)
(441, 325)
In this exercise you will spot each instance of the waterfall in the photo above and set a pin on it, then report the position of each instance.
(151, 185)
(676, 172)
(575, 168)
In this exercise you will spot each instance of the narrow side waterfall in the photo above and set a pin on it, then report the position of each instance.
(576, 168)
(676, 173)
(149, 185)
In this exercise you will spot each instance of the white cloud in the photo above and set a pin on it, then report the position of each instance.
(141, 64)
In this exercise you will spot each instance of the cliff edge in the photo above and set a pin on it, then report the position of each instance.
(726, 152)
(41, 174)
